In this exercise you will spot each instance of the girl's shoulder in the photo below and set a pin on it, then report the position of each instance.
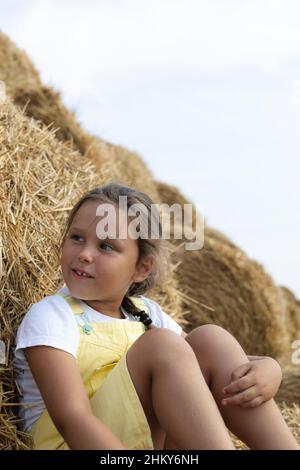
(51, 313)
(54, 303)
(50, 321)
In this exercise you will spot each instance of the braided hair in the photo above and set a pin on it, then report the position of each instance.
(140, 315)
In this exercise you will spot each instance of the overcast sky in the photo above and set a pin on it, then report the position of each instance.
(208, 92)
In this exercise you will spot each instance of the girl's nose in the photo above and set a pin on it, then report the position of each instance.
(86, 255)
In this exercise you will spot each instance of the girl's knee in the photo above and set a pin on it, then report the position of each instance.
(207, 337)
(207, 331)
(161, 341)
(155, 348)
(160, 334)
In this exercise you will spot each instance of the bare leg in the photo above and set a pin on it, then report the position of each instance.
(174, 394)
(218, 354)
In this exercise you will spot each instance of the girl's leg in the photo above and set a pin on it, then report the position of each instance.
(218, 354)
(174, 394)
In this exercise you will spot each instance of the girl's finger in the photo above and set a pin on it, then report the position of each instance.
(241, 397)
(241, 384)
(240, 371)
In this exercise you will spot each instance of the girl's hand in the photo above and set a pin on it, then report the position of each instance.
(253, 383)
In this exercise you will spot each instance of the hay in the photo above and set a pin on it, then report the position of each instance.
(242, 297)
(41, 178)
(37, 190)
(123, 165)
(170, 194)
(289, 391)
(46, 163)
(227, 288)
(10, 436)
(117, 163)
(291, 313)
(291, 415)
(16, 69)
(44, 104)
(24, 86)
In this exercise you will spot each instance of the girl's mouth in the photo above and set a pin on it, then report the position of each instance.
(81, 275)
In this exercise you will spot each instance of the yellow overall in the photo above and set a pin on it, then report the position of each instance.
(102, 363)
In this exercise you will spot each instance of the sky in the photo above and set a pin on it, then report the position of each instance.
(206, 91)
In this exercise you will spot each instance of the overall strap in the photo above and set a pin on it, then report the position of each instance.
(87, 328)
(77, 308)
(74, 303)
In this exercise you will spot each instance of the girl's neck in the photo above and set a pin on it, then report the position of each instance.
(105, 308)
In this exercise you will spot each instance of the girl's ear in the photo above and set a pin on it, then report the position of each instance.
(144, 268)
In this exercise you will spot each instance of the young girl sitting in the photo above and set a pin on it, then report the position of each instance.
(101, 366)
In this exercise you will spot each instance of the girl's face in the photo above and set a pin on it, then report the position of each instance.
(110, 264)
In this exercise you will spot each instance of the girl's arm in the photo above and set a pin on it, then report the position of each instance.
(253, 383)
(257, 358)
(58, 378)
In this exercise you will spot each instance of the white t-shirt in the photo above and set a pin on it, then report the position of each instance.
(51, 322)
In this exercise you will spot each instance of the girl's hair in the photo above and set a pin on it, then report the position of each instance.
(148, 246)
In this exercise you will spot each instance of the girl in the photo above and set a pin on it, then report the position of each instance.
(100, 366)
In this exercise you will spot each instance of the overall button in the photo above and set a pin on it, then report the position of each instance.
(87, 329)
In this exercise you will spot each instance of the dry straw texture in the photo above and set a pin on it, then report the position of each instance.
(289, 391)
(41, 178)
(231, 290)
(46, 162)
(36, 192)
(291, 415)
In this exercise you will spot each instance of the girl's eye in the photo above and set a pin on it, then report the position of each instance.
(106, 247)
(75, 237)
(103, 246)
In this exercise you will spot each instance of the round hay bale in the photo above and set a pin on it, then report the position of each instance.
(24, 86)
(16, 69)
(44, 104)
(39, 183)
(291, 415)
(117, 163)
(241, 296)
(41, 178)
(289, 391)
(172, 195)
(124, 165)
(227, 288)
(292, 313)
